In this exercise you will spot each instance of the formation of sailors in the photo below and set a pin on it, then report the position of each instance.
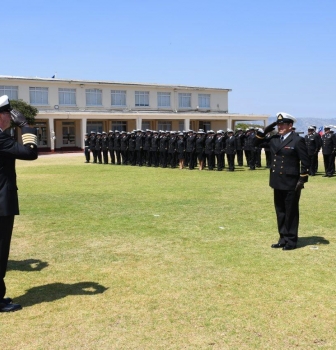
(197, 149)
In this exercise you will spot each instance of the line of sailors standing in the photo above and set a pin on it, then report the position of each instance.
(170, 148)
(191, 149)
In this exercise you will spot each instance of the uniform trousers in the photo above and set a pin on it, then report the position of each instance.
(6, 229)
(328, 164)
(286, 205)
(87, 153)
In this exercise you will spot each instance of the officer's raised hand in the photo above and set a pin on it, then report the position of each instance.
(270, 128)
(18, 118)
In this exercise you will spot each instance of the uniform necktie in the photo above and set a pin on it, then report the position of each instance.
(281, 138)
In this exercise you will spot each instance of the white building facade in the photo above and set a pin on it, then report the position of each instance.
(70, 108)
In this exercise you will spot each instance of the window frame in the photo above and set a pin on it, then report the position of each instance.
(182, 97)
(9, 90)
(71, 92)
(204, 98)
(98, 97)
(44, 91)
(141, 94)
(163, 95)
(118, 94)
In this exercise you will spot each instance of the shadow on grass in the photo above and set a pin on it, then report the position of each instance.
(312, 240)
(26, 265)
(54, 291)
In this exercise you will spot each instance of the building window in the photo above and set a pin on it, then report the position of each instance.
(119, 125)
(204, 101)
(94, 126)
(184, 100)
(94, 97)
(118, 98)
(141, 98)
(165, 125)
(163, 99)
(38, 96)
(67, 97)
(10, 91)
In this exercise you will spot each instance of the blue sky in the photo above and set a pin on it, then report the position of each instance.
(274, 55)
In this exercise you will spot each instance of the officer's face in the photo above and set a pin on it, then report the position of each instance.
(284, 128)
(5, 120)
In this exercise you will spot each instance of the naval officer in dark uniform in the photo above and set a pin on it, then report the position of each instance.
(288, 173)
(10, 150)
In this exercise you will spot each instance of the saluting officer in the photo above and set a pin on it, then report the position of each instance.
(154, 149)
(209, 149)
(104, 147)
(288, 173)
(219, 150)
(111, 146)
(230, 149)
(117, 145)
(200, 142)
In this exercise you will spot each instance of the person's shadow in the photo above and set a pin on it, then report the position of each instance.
(312, 240)
(26, 265)
(55, 291)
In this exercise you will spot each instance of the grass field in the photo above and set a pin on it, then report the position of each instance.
(115, 257)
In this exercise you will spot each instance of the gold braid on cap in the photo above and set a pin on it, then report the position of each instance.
(29, 138)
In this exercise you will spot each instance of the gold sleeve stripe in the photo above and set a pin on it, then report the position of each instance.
(259, 137)
(303, 174)
(29, 138)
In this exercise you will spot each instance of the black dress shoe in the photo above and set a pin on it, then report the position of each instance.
(9, 307)
(277, 245)
(6, 301)
(288, 247)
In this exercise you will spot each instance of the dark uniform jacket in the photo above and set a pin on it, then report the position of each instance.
(9, 151)
(289, 161)
(231, 145)
(328, 143)
(311, 144)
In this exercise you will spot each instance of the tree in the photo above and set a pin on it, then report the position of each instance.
(26, 109)
(245, 126)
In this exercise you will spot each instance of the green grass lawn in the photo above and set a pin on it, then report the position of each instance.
(119, 257)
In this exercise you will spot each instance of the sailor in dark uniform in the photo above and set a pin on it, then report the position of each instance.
(219, 150)
(209, 149)
(10, 150)
(200, 141)
(87, 148)
(117, 145)
(124, 147)
(154, 149)
(312, 149)
(111, 146)
(92, 144)
(190, 149)
(98, 148)
(131, 149)
(172, 149)
(288, 173)
(328, 151)
(181, 147)
(230, 149)
(104, 145)
(240, 137)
